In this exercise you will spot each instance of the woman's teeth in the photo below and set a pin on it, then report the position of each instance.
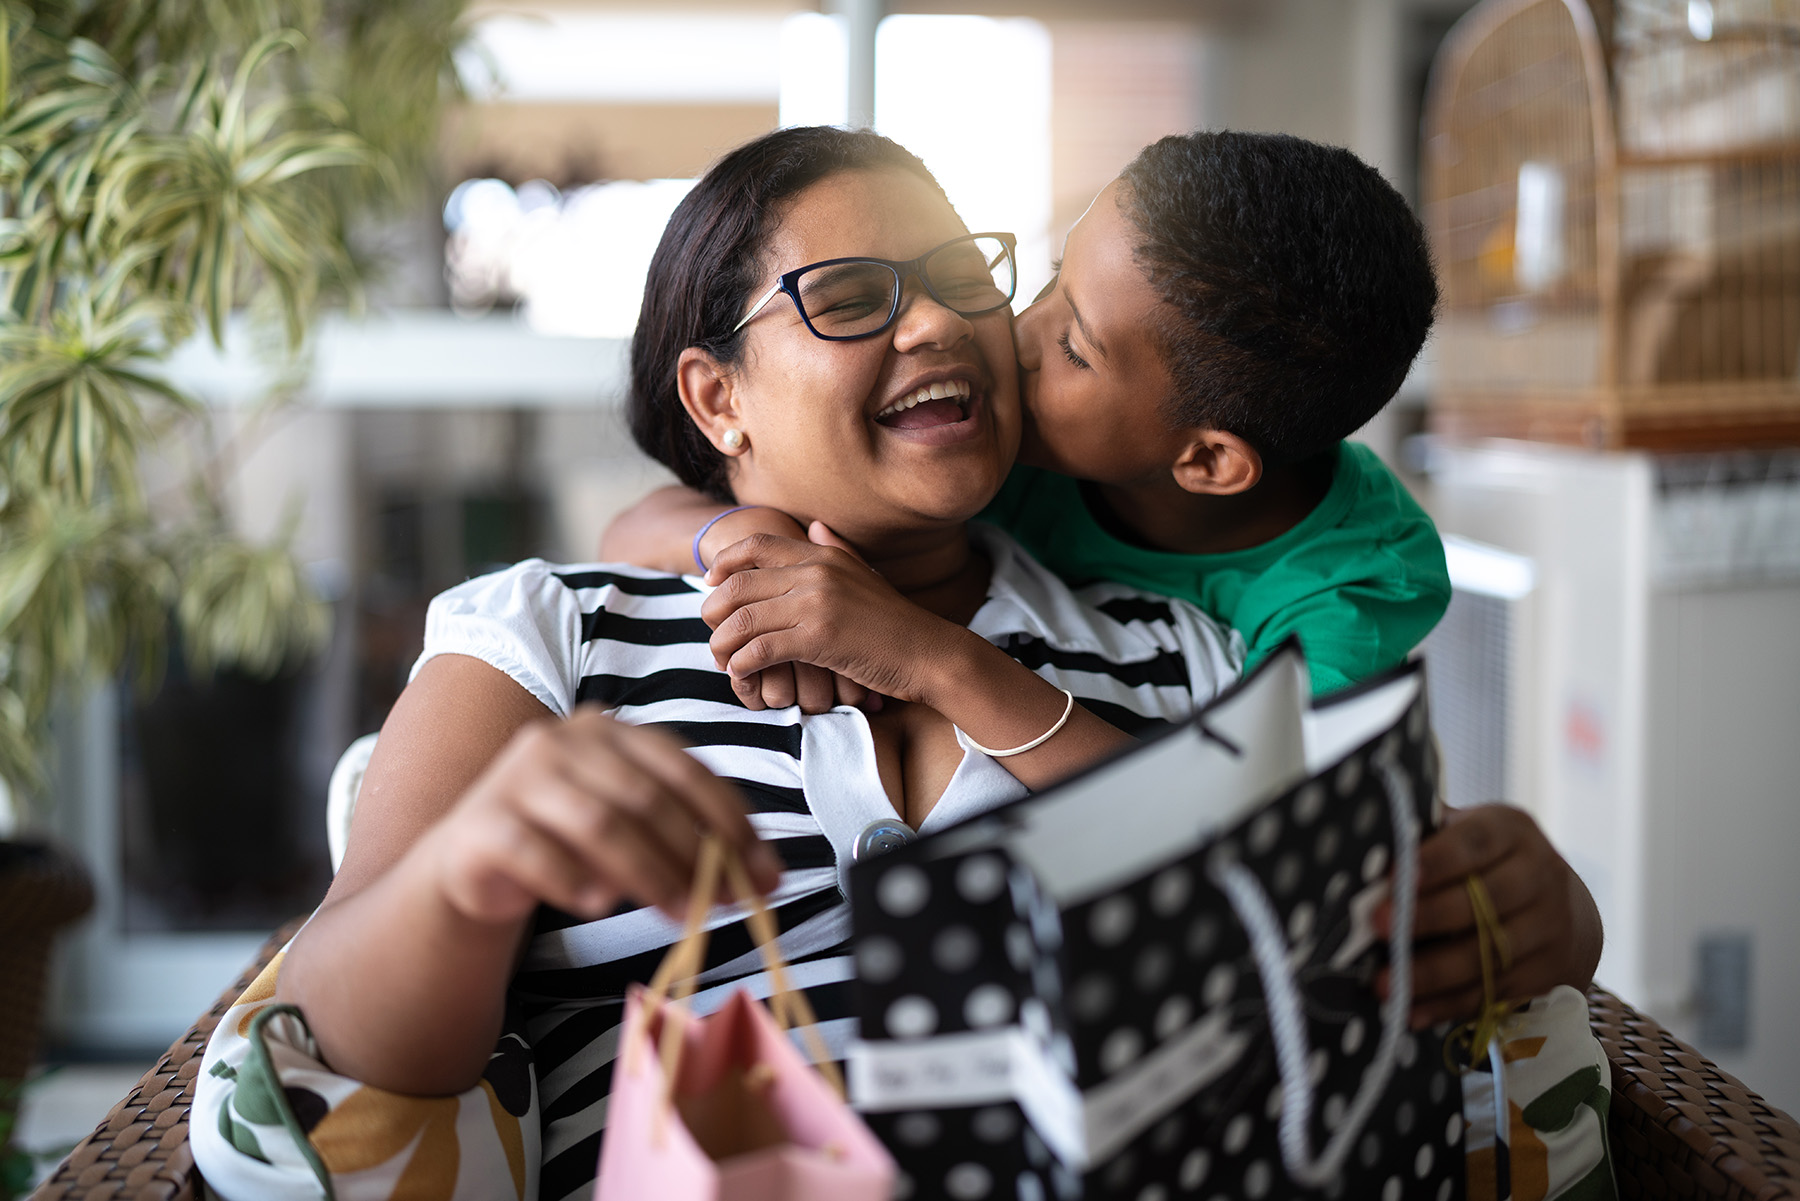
(956, 389)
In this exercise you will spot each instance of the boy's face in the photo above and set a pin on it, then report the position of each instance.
(1092, 375)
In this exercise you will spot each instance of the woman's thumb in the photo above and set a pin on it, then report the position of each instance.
(821, 534)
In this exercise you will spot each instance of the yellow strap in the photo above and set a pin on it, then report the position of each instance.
(795, 1009)
(683, 963)
(1470, 1040)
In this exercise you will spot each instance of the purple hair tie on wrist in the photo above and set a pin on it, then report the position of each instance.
(717, 518)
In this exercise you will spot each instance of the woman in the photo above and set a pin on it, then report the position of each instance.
(778, 363)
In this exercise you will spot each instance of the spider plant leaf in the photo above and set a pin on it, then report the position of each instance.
(100, 159)
(52, 111)
(23, 568)
(6, 35)
(31, 283)
(90, 63)
(301, 151)
(193, 92)
(44, 167)
(160, 387)
(110, 287)
(231, 119)
(218, 279)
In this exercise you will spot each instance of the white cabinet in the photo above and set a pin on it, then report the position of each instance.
(1638, 689)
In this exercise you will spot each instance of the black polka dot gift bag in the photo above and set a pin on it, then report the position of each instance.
(1156, 981)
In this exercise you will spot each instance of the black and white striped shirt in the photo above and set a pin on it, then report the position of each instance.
(633, 640)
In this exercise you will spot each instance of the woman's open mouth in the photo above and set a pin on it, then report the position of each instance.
(943, 403)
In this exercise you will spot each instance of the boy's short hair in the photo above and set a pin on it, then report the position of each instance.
(1298, 284)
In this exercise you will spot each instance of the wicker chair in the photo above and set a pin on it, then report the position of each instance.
(1680, 1126)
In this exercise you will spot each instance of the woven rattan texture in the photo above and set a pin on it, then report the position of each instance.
(42, 889)
(140, 1151)
(1680, 1126)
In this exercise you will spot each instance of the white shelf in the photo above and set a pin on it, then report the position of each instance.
(420, 358)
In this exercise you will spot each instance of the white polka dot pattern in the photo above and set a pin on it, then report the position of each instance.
(1123, 983)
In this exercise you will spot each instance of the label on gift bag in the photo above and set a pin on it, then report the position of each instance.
(1072, 1013)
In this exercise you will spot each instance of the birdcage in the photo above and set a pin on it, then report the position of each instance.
(1613, 195)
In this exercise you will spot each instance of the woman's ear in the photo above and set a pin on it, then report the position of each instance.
(706, 390)
(1215, 463)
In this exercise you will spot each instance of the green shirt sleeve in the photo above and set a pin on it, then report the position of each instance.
(1361, 580)
(1351, 633)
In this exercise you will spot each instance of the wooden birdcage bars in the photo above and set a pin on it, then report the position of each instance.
(1614, 204)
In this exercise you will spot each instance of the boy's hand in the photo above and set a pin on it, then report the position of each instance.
(579, 814)
(817, 603)
(1552, 928)
(814, 689)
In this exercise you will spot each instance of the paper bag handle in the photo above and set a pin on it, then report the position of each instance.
(1287, 1024)
(682, 964)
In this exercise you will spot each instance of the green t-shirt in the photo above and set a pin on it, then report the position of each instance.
(1361, 579)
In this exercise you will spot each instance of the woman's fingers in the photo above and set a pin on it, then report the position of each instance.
(849, 692)
(748, 691)
(510, 864)
(1446, 974)
(1472, 841)
(711, 800)
(604, 772)
(815, 688)
(777, 687)
(578, 813)
(616, 844)
(1459, 1006)
(820, 534)
(1511, 884)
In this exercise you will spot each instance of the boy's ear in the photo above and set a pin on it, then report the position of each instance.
(1216, 463)
(706, 391)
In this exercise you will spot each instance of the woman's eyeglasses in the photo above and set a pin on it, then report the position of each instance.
(844, 299)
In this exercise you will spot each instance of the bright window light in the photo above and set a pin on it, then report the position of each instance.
(971, 96)
(968, 95)
(814, 70)
(574, 262)
(623, 58)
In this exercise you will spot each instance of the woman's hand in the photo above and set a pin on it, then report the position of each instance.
(815, 689)
(1551, 924)
(579, 814)
(816, 603)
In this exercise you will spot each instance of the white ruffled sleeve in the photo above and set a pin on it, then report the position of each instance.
(523, 620)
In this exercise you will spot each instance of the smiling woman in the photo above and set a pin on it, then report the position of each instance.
(521, 812)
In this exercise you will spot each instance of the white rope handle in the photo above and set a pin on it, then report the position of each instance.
(1287, 1024)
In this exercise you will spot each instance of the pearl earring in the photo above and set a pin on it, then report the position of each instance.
(733, 439)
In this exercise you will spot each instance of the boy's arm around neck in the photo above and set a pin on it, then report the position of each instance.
(658, 531)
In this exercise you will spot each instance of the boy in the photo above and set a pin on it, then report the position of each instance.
(1226, 313)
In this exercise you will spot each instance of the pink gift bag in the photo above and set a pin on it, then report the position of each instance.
(724, 1108)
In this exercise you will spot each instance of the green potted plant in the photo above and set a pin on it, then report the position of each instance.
(165, 168)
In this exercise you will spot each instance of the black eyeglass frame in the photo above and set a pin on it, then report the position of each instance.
(789, 283)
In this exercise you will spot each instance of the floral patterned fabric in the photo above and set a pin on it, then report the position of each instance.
(272, 1122)
(1558, 1093)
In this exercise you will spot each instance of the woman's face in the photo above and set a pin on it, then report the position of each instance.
(821, 439)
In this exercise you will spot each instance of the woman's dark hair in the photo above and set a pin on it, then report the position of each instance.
(706, 265)
(1298, 285)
